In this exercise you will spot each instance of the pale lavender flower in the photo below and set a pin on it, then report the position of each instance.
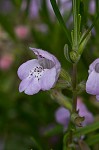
(35, 6)
(62, 115)
(39, 74)
(92, 6)
(92, 84)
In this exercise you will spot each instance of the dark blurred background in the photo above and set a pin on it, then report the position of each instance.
(28, 122)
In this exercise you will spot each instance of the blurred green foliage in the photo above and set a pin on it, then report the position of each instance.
(28, 122)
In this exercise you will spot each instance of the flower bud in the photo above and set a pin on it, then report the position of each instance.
(74, 56)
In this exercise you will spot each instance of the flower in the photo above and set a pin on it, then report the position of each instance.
(92, 84)
(62, 115)
(83, 111)
(92, 6)
(6, 61)
(21, 31)
(39, 74)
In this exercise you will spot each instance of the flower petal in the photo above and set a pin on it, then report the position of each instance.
(33, 87)
(24, 84)
(83, 112)
(92, 66)
(46, 63)
(48, 79)
(97, 97)
(89, 118)
(49, 56)
(62, 116)
(92, 84)
(24, 69)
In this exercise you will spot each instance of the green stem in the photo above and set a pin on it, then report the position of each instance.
(75, 4)
(75, 22)
(75, 48)
(74, 74)
(74, 81)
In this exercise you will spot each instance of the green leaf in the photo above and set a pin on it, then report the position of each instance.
(93, 139)
(66, 53)
(87, 129)
(65, 139)
(61, 99)
(65, 75)
(90, 28)
(83, 44)
(60, 19)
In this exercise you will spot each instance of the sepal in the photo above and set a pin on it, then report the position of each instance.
(83, 145)
(61, 99)
(76, 119)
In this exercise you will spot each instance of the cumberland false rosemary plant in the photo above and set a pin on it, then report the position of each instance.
(45, 73)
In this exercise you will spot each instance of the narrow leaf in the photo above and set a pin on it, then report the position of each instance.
(87, 129)
(66, 53)
(90, 28)
(83, 44)
(65, 139)
(60, 19)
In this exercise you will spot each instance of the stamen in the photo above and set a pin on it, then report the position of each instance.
(36, 72)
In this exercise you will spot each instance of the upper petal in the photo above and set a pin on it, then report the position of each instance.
(92, 66)
(48, 79)
(33, 87)
(49, 56)
(24, 69)
(92, 84)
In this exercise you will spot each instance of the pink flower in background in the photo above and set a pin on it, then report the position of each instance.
(39, 74)
(6, 61)
(21, 31)
(83, 111)
(62, 115)
(92, 84)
